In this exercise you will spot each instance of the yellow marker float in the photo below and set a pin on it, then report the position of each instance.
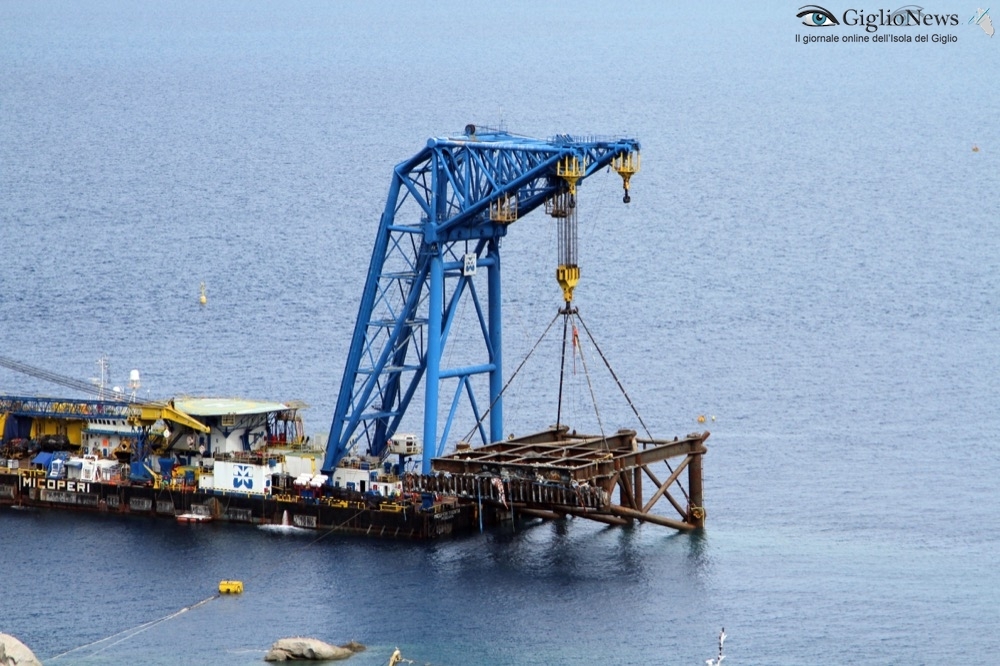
(230, 587)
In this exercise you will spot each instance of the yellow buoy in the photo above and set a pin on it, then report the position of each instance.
(203, 298)
(701, 418)
(231, 587)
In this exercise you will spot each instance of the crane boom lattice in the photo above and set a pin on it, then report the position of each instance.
(447, 209)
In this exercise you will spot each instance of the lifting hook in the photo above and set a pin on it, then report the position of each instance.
(626, 165)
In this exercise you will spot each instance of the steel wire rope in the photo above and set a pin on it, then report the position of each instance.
(518, 317)
(516, 371)
(588, 231)
(522, 317)
(514, 316)
(590, 386)
(562, 371)
(628, 399)
(135, 630)
(598, 210)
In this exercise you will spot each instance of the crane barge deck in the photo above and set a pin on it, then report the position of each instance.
(550, 474)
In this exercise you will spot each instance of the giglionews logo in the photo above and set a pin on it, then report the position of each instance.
(814, 16)
(903, 25)
(982, 19)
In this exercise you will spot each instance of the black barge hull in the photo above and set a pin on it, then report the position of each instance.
(398, 520)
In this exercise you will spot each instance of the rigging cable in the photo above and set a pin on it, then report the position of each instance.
(562, 366)
(516, 371)
(627, 398)
(590, 386)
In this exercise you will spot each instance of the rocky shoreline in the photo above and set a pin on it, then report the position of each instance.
(15, 653)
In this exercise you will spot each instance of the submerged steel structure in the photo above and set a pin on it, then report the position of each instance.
(556, 473)
(447, 210)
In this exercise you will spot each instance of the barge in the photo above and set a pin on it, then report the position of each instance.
(247, 462)
(207, 460)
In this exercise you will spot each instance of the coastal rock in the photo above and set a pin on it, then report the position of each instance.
(15, 653)
(354, 646)
(291, 649)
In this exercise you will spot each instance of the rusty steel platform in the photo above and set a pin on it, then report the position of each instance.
(557, 472)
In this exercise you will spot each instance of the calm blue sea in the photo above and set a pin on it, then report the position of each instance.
(810, 259)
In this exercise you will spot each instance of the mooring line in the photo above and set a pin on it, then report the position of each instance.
(135, 630)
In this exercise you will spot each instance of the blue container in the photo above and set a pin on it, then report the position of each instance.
(138, 472)
(166, 466)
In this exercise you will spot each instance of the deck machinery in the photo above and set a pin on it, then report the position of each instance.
(447, 210)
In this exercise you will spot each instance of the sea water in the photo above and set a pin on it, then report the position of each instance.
(809, 260)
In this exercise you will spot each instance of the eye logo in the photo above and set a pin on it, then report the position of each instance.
(815, 16)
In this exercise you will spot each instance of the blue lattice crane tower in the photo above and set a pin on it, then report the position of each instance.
(447, 210)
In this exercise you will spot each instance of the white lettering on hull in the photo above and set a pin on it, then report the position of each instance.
(56, 484)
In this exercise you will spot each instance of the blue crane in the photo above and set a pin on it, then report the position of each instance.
(447, 210)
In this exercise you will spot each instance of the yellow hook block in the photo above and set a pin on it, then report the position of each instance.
(568, 277)
(568, 168)
(627, 165)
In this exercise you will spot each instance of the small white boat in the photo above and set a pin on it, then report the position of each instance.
(193, 518)
(199, 513)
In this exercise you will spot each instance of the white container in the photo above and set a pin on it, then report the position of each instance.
(244, 478)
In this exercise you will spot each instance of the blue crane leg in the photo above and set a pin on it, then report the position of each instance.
(496, 345)
(436, 296)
